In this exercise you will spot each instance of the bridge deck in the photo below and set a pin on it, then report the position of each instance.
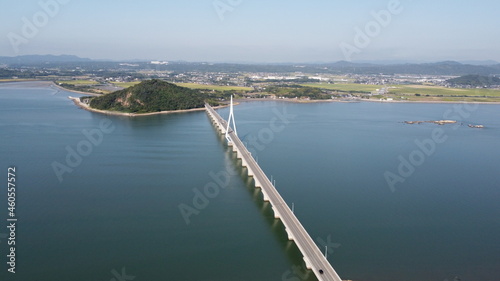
(313, 257)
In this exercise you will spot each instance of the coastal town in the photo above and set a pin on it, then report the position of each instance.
(242, 140)
(339, 81)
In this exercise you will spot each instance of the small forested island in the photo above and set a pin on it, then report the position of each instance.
(151, 96)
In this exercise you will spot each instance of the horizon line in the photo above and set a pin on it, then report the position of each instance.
(380, 61)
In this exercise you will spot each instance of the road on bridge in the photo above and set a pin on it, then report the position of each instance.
(312, 255)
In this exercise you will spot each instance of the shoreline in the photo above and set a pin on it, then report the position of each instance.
(436, 102)
(317, 101)
(74, 91)
(82, 105)
(287, 100)
(366, 100)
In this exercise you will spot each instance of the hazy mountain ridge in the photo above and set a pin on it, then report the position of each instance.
(437, 68)
(40, 59)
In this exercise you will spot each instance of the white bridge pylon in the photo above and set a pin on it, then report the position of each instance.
(231, 118)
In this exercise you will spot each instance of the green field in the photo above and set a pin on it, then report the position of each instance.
(16, 80)
(78, 82)
(191, 86)
(409, 89)
(348, 87)
(126, 84)
(213, 87)
(441, 91)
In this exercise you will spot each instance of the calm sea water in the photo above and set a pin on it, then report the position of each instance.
(114, 210)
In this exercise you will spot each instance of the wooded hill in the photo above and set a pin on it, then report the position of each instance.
(150, 96)
(475, 81)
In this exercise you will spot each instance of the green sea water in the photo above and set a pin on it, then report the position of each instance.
(100, 197)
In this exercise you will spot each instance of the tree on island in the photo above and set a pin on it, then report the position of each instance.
(150, 96)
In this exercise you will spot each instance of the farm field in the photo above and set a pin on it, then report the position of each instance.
(15, 80)
(213, 87)
(411, 90)
(78, 82)
(347, 87)
(126, 84)
(437, 91)
(191, 86)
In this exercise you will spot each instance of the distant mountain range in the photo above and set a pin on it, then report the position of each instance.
(438, 68)
(480, 62)
(41, 59)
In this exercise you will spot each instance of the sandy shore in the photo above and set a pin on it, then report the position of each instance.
(436, 102)
(86, 107)
(74, 91)
(108, 112)
(289, 100)
(363, 100)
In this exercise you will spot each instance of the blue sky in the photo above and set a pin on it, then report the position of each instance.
(253, 30)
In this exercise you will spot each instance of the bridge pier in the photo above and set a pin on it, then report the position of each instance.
(249, 169)
(266, 197)
(313, 257)
(239, 155)
(257, 183)
(221, 129)
(264, 192)
(290, 237)
(244, 162)
(308, 264)
(276, 214)
(250, 172)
